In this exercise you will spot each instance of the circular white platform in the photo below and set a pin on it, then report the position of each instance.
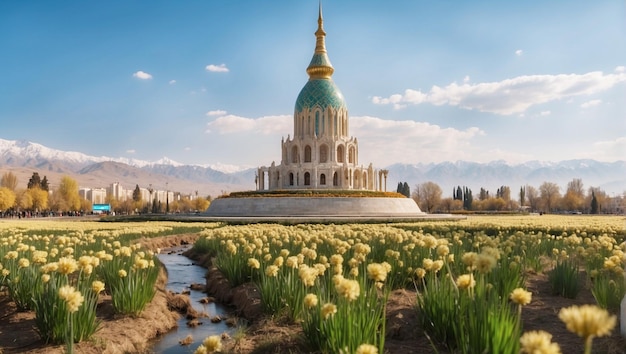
(314, 207)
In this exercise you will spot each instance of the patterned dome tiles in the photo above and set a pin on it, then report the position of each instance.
(323, 93)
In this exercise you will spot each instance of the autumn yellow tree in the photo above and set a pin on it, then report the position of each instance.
(111, 200)
(174, 206)
(185, 205)
(39, 198)
(7, 198)
(24, 200)
(201, 204)
(85, 205)
(68, 192)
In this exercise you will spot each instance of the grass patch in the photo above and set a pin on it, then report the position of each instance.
(307, 193)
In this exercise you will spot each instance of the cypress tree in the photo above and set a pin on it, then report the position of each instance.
(137, 193)
(594, 203)
(406, 190)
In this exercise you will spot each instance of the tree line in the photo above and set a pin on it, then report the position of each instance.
(547, 198)
(178, 204)
(39, 199)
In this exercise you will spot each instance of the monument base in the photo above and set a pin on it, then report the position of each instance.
(314, 207)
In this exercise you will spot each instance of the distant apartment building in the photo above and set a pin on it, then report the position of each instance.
(163, 196)
(95, 195)
(118, 192)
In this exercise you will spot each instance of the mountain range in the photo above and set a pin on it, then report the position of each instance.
(23, 158)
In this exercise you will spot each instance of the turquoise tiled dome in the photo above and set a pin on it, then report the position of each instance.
(321, 92)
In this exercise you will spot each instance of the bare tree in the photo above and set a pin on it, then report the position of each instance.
(574, 196)
(532, 196)
(427, 195)
(9, 180)
(449, 204)
(550, 195)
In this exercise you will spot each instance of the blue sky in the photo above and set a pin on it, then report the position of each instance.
(215, 82)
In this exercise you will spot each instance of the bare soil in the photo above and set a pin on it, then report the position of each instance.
(121, 334)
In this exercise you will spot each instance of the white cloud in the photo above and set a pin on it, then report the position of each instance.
(545, 113)
(217, 68)
(130, 151)
(620, 69)
(607, 150)
(142, 75)
(384, 142)
(519, 52)
(509, 96)
(217, 112)
(466, 79)
(187, 148)
(172, 82)
(232, 124)
(590, 103)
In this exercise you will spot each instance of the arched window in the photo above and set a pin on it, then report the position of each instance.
(294, 155)
(340, 153)
(364, 185)
(335, 179)
(323, 154)
(291, 178)
(307, 153)
(323, 179)
(351, 155)
(307, 179)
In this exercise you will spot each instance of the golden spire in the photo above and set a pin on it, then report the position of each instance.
(320, 43)
(320, 66)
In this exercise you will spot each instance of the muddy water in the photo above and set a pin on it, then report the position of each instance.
(181, 274)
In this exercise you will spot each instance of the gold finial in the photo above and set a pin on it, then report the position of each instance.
(320, 45)
(320, 67)
(319, 17)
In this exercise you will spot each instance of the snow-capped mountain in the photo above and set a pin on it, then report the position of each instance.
(32, 151)
(609, 176)
(24, 158)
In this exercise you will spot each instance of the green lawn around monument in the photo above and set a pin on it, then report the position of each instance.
(308, 193)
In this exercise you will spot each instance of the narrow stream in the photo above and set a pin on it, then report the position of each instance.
(181, 274)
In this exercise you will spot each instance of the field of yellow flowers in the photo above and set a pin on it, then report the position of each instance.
(59, 270)
(470, 277)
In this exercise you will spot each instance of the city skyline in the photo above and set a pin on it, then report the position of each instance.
(215, 83)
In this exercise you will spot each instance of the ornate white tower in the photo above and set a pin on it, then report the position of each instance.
(321, 154)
